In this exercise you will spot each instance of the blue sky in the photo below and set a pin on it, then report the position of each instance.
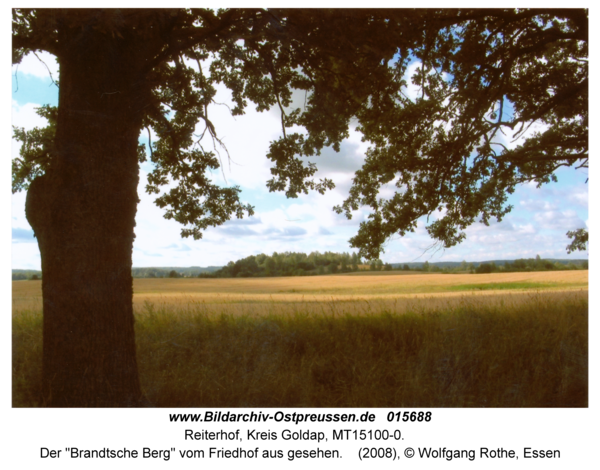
(537, 225)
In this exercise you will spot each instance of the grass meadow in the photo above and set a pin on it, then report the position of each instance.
(353, 340)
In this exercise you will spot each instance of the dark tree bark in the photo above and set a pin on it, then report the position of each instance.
(83, 215)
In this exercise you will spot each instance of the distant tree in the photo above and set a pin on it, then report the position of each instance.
(519, 264)
(355, 262)
(426, 266)
(270, 264)
(486, 268)
(387, 267)
(376, 265)
(173, 274)
(405, 267)
(306, 265)
(260, 259)
(34, 277)
(250, 265)
(206, 275)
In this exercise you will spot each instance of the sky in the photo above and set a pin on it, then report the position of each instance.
(536, 226)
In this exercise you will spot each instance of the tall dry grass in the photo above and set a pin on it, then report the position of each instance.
(469, 354)
(229, 348)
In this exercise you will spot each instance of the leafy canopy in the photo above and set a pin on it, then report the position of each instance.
(500, 97)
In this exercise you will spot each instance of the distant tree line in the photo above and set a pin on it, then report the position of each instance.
(26, 275)
(519, 265)
(530, 264)
(292, 264)
(316, 263)
(172, 272)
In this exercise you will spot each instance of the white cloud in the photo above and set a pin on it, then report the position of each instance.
(527, 229)
(21, 235)
(411, 90)
(247, 140)
(41, 64)
(537, 205)
(579, 197)
(26, 116)
(559, 220)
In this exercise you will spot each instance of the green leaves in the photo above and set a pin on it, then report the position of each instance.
(195, 201)
(485, 78)
(37, 148)
(500, 98)
(580, 240)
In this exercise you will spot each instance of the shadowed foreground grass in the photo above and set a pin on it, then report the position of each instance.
(532, 353)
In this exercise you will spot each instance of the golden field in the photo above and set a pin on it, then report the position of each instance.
(358, 340)
(382, 287)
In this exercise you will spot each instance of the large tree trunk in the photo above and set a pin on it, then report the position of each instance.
(83, 215)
